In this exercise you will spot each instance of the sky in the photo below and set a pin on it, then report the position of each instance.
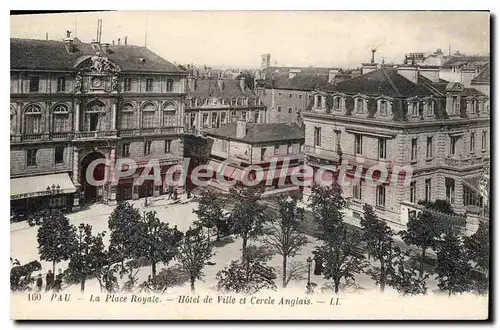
(293, 38)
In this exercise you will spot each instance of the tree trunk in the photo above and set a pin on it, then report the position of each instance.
(82, 285)
(192, 284)
(382, 275)
(53, 267)
(284, 271)
(244, 250)
(449, 291)
(421, 273)
(337, 285)
(153, 269)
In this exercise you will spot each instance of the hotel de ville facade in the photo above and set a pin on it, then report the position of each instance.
(74, 102)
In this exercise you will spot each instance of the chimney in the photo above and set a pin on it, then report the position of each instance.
(268, 60)
(125, 40)
(68, 43)
(242, 84)
(118, 41)
(332, 73)
(241, 129)
(409, 72)
(467, 74)
(113, 42)
(431, 73)
(220, 82)
(95, 45)
(373, 56)
(105, 48)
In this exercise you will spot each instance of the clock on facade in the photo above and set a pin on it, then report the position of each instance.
(96, 82)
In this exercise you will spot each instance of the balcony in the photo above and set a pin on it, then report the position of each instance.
(321, 153)
(94, 135)
(196, 132)
(150, 131)
(464, 161)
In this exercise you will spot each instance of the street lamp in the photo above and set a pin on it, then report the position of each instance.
(52, 190)
(309, 262)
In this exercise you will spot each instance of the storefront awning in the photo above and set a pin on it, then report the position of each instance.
(34, 186)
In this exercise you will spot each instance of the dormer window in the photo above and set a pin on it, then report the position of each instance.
(383, 107)
(455, 104)
(319, 99)
(414, 109)
(359, 105)
(429, 108)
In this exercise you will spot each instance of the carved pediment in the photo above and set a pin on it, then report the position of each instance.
(97, 64)
(454, 87)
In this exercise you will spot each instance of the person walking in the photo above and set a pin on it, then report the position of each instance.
(58, 281)
(39, 283)
(49, 280)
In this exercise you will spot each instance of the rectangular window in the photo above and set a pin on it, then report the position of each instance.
(127, 84)
(244, 115)
(126, 149)
(356, 191)
(214, 119)
(290, 95)
(170, 85)
(450, 190)
(262, 153)
(149, 84)
(59, 155)
(205, 120)
(256, 114)
(380, 196)
(484, 143)
(279, 94)
(317, 136)
(359, 105)
(383, 107)
(31, 157)
(428, 190)
(453, 144)
(318, 101)
(414, 149)
(147, 147)
(279, 109)
(61, 84)
(472, 144)
(289, 110)
(336, 103)
(276, 150)
(382, 148)
(223, 117)
(413, 192)
(34, 84)
(477, 107)
(430, 108)
(300, 96)
(168, 146)
(358, 144)
(456, 105)
(414, 109)
(429, 147)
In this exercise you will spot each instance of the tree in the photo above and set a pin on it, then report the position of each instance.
(245, 277)
(283, 236)
(422, 231)
(89, 257)
(327, 204)
(378, 239)
(248, 217)
(439, 205)
(55, 236)
(154, 240)
(404, 275)
(452, 265)
(122, 224)
(478, 250)
(194, 252)
(342, 256)
(210, 212)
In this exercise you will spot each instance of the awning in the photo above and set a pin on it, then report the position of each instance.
(34, 186)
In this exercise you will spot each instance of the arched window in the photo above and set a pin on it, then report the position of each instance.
(149, 118)
(13, 121)
(94, 112)
(169, 117)
(127, 116)
(33, 119)
(60, 115)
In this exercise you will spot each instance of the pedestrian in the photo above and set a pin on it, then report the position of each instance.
(49, 280)
(58, 281)
(175, 194)
(39, 283)
(170, 190)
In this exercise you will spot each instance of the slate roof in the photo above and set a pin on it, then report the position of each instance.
(210, 88)
(259, 133)
(462, 60)
(32, 54)
(380, 82)
(483, 77)
(301, 82)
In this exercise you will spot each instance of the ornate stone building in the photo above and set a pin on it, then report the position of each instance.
(404, 116)
(75, 102)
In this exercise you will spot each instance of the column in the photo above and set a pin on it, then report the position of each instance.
(77, 116)
(76, 180)
(113, 117)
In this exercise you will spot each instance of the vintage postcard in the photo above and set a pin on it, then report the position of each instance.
(250, 165)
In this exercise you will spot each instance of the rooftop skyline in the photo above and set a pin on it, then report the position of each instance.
(293, 38)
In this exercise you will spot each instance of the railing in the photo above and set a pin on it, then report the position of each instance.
(461, 162)
(195, 131)
(60, 135)
(150, 131)
(94, 134)
(33, 137)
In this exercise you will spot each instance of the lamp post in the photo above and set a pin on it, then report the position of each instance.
(309, 262)
(52, 190)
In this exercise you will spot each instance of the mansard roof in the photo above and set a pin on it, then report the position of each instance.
(32, 54)
(483, 77)
(230, 88)
(380, 82)
(259, 133)
(466, 60)
(301, 82)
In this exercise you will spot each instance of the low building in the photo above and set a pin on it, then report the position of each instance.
(267, 153)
